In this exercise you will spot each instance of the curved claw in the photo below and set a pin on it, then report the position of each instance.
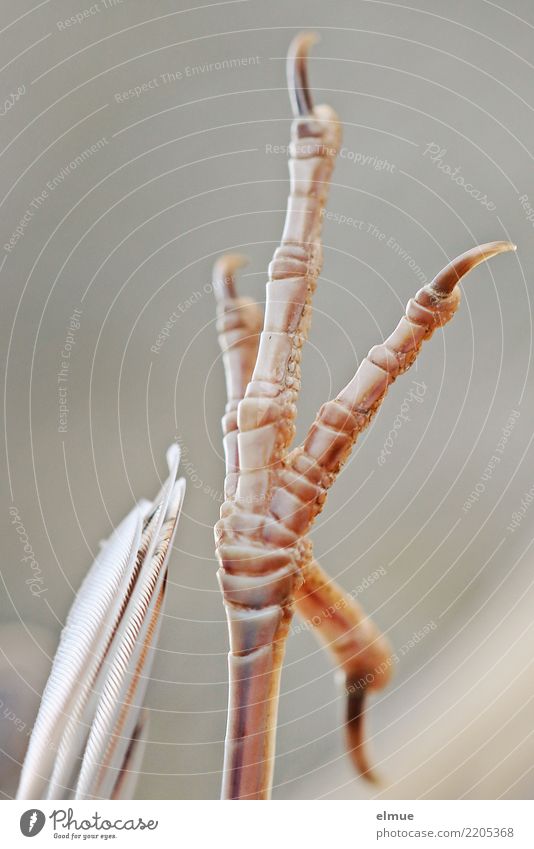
(444, 283)
(224, 275)
(355, 731)
(297, 73)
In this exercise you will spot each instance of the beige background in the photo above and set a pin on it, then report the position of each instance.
(130, 234)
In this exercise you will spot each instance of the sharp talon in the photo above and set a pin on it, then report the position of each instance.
(297, 73)
(355, 730)
(447, 279)
(224, 275)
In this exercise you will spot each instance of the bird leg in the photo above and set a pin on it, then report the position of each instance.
(357, 647)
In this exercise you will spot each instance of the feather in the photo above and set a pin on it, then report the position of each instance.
(91, 706)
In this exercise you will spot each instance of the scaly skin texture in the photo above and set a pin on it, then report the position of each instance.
(239, 323)
(260, 580)
(356, 645)
(339, 622)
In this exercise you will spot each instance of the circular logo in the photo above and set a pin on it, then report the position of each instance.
(32, 822)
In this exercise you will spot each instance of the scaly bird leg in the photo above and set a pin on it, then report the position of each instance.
(261, 561)
(361, 652)
(338, 621)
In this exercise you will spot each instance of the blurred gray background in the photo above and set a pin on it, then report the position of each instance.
(147, 189)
